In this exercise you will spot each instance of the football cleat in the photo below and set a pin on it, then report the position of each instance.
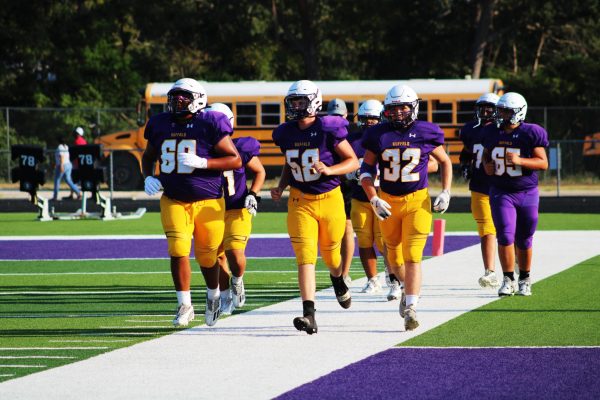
(306, 324)
(489, 279)
(342, 293)
(395, 291)
(227, 303)
(239, 293)
(213, 310)
(508, 287)
(372, 286)
(410, 318)
(185, 314)
(524, 287)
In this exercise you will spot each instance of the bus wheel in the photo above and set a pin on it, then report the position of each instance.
(126, 172)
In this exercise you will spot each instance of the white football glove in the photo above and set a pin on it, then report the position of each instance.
(251, 204)
(442, 202)
(152, 185)
(381, 208)
(192, 160)
(353, 176)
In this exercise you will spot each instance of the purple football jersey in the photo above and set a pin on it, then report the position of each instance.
(199, 136)
(358, 193)
(470, 134)
(234, 181)
(513, 178)
(303, 148)
(403, 154)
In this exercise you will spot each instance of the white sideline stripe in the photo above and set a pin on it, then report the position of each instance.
(89, 341)
(21, 366)
(133, 237)
(22, 357)
(109, 292)
(6, 375)
(140, 321)
(268, 357)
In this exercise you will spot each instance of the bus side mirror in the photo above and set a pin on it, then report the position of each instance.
(141, 113)
(28, 173)
(86, 169)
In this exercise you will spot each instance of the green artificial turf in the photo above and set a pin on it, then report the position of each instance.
(564, 310)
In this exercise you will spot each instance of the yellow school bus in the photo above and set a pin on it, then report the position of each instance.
(258, 108)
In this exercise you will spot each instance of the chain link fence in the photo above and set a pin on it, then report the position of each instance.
(566, 126)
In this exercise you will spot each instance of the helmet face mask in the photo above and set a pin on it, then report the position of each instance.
(485, 112)
(401, 115)
(186, 97)
(485, 107)
(401, 106)
(303, 100)
(369, 113)
(510, 110)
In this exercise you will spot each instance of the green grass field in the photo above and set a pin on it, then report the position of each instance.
(24, 224)
(58, 312)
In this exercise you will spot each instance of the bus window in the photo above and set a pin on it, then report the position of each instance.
(350, 108)
(246, 114)
(423, 104)
(142, 113)
(465, 111)
(270, 114)
(441, 112)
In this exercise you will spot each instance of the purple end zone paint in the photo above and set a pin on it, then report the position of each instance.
(157, 248)
(503, 373)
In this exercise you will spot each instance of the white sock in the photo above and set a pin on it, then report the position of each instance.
(412, 299)
(213, 294)
(235, 279)
(225, 294)
(184, 297)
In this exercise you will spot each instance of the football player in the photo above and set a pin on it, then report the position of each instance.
(400, 148)
(193, 148)
(338, 107)
(472, 170)
(364, 222)
(241, 205)
(316, 153)
(513, 151)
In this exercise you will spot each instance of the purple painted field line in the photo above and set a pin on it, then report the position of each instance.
(157, 248)
(499, 373)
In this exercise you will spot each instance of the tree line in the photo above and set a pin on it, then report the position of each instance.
(99, 53)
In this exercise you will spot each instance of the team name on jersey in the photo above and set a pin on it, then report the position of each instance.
(301, 144)
(505, 143)
(407, 144)
(177, 134)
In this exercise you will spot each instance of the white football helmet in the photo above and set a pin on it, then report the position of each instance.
(303, 100)
(482, 106)
(401, 95)
(186, 96)
(514, 104)
(370, 109)
(222, 108)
